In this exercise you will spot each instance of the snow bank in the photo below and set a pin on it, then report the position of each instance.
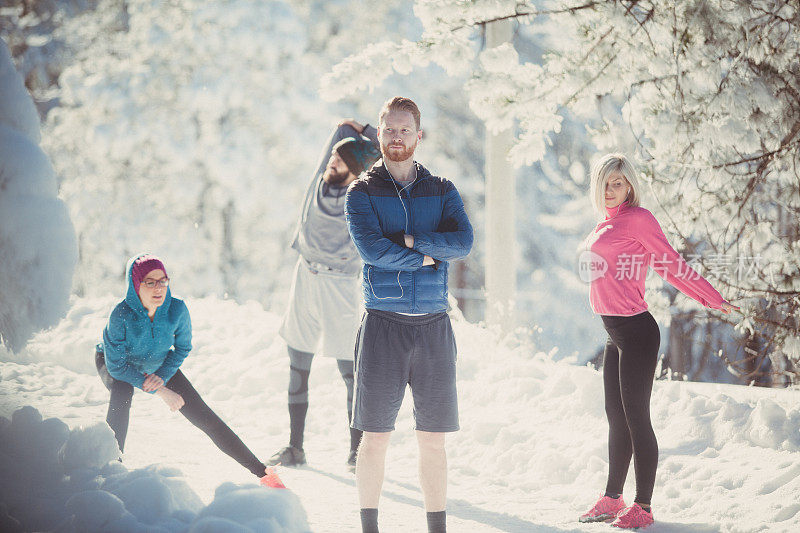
(38, 250)
(729, 454)
(531, 454)
(70, 343)
(57, 479)
(255, 508)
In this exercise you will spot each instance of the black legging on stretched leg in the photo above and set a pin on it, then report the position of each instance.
(194, 409)
(629, 365)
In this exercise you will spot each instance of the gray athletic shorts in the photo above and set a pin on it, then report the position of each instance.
(394, 350)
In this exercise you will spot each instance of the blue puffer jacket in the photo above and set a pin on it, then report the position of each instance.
(377, 209)
(135, 346)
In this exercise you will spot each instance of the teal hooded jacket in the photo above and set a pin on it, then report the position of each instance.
(135, 346)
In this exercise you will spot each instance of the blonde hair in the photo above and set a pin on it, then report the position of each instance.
(602, 169)
(400, 103)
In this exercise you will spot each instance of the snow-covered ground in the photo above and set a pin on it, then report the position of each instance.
(531, 455)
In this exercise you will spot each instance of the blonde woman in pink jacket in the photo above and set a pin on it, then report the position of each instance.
(616, 257)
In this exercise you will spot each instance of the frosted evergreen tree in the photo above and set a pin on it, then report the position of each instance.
(37, 240)
(189, 129)
(172, 134)
(706, 94)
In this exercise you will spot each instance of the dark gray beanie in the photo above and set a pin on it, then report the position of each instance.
(357, 154)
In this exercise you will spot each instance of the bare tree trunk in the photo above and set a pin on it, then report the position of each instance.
(227, 255)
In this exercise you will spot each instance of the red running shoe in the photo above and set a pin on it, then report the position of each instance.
(633, 517)
(605, 509)
(271, 479)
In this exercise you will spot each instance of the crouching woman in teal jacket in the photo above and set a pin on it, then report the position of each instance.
(147, 337)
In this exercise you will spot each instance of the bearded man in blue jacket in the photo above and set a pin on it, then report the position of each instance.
(406, 224)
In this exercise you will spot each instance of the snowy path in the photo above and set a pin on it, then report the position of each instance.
(530, 456)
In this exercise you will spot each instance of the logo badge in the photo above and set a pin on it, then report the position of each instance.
(591, 266)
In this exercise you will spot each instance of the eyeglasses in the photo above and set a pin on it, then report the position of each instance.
(150, 283)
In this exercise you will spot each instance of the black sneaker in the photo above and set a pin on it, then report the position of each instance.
(288, 456)
(351, 459)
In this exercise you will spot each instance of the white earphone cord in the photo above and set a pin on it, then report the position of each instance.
(405, 212)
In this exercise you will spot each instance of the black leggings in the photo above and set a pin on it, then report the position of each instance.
(300, 369)
(194, 409)
(629, 365)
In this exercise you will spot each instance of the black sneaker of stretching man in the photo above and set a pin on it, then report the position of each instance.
(288, 456)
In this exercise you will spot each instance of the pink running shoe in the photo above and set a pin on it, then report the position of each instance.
(605, 509)
(271, 479)
(633, 517)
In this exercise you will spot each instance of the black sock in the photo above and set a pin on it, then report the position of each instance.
(612, 495)
(437, 522)
(369, 521)
(297, 423)
(355, 438)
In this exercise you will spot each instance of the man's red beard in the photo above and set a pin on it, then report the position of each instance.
(398, 155)
(333, 177)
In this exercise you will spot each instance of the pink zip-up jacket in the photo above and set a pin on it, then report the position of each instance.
(630, 240)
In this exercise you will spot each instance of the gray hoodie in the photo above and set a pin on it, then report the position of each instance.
(321, 235)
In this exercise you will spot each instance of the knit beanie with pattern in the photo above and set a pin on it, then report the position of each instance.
(142, 266)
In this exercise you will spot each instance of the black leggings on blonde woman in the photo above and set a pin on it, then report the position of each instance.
(629, 365)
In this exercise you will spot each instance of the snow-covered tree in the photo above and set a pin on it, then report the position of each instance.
(29, 28)
(706, 93)
(175, 134)
(37, 240)
(190, 128)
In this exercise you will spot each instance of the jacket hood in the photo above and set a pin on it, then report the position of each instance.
(132, 299)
